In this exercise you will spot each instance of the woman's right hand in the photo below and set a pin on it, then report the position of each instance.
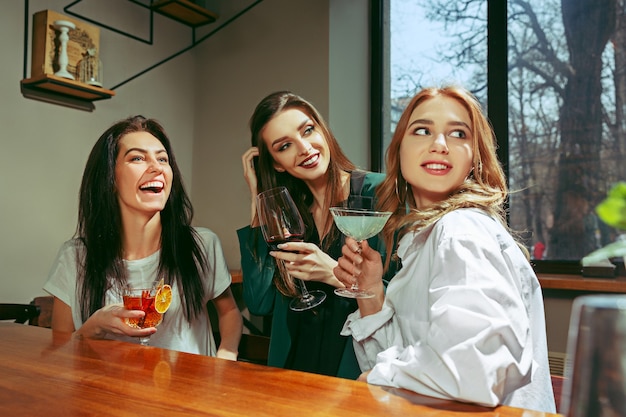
(111, 319)
(249, 173)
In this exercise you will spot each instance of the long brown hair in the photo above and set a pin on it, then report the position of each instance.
(485, 188)
(268, 177)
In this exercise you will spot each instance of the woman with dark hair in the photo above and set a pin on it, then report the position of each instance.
(134, 227)
(463, 318)
(293, 147)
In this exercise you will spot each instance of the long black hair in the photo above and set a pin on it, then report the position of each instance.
(100, 257)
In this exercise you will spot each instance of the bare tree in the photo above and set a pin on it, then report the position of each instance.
(563, 141)
(589, 24)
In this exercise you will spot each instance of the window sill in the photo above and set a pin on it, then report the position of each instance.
(579, 283)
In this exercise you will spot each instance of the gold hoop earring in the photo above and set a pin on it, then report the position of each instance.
(402, 198)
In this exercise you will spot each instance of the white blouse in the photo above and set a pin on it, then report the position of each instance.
(463, 319)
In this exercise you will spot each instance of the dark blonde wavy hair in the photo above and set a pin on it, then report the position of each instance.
(485, 188)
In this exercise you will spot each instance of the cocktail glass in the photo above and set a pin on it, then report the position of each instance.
(142, 298)
(359, 223)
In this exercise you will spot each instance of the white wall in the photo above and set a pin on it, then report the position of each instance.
(280, 44)
(203, 98)
(349, 78)
(44, 146)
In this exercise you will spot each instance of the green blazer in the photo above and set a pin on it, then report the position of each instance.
(262, 298)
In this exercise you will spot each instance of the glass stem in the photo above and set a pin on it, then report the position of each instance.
(300, 284)
(355, 284)
(303, 290)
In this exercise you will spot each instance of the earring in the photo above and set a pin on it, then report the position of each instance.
(402, 198)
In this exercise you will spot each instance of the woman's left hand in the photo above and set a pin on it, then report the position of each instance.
(366, 265)
(306, 261)
(363, 376)
(359, 261)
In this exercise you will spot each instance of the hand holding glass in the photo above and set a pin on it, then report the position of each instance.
(359, 221)
(153, 301)
(281, 223)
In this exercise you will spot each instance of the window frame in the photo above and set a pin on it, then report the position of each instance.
(497, 100)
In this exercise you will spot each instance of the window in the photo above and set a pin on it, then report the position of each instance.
(553, 81)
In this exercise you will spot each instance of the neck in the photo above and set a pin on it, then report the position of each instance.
(141, 236)
(318, 208)
(319, 186)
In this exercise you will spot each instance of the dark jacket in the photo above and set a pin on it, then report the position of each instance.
(262, 298)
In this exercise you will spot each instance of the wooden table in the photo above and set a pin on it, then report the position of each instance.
(48, 373)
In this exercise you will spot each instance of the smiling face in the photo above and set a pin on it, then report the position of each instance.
(143, 175)
(436, 150)
(297, 145)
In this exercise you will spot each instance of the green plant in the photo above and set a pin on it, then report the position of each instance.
(612, 211)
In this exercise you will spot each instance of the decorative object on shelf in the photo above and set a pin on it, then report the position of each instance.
(44, 83)
(90, 68)
(63, 26)
(189, 12)
(45, 55)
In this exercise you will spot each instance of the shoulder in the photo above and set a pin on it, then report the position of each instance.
(70, 247)
(374, 178)
(467, 217)
(472, 224)
(371, 180)
(206, 234)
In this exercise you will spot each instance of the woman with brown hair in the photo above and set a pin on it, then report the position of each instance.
(292, 146)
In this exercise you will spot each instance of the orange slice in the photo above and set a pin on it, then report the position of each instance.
(163, 298)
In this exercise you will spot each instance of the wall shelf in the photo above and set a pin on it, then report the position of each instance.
(67, 87)
(58, 90)
(184, 11)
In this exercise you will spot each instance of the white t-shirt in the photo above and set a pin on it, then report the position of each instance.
(175, 332)
(463, 319)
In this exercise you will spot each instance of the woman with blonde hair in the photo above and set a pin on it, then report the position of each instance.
(463, 318)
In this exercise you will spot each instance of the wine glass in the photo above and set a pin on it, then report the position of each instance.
(358, 220)
(142, 298)
(281, 223)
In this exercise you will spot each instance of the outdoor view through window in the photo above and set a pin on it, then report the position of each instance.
(566, 103)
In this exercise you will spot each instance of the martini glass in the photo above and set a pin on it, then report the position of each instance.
(142, 298)
(359, 221)
(281, 223)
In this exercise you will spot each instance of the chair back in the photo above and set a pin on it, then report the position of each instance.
(19, 313)
(252, 348)
(45, 304)
(557, 387)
